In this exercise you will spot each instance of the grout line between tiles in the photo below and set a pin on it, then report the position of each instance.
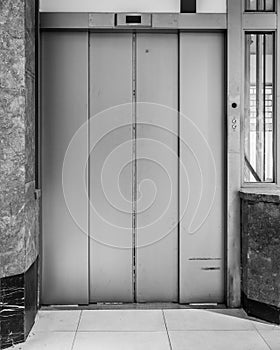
(263, 338)
(254, 321)
(253, 325)
(121, 331)
(212, 330)
(75, 336)
(165, 324)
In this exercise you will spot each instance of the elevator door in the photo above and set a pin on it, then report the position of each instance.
(141, 115)
(126, 250)
(202, 131)
(64, 110)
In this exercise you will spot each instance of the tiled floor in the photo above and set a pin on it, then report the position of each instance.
(180, 329)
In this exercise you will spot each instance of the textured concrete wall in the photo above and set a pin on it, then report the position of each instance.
(19, 227)
(261, 247)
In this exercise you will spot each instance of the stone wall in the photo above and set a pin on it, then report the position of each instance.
(261, 254)
(19, 210)
(18, 207)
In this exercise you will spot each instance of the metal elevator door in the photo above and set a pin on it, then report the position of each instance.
(121, 103)
(129, 259)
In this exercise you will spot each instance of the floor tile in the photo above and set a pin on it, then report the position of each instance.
(121, 341)
(180, 320)
(57, 320)
(47, 341)
(217, 340)
(122, 320)
(272, 338)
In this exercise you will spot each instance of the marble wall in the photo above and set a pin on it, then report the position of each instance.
(19, 295)
(19, 211)
(261, 254)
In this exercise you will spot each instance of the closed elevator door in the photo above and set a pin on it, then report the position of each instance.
(131, 77)
(148, 224)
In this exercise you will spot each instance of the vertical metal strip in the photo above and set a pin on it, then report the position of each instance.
(259, 105)
(134, 166)
(247, 114)
(276, 97)
(37, 136)
(234, 88)
(179, 149)
(38, 140)
(264, 107)
(88, 154)
(258, 53)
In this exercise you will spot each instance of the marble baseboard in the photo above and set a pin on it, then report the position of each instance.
(31, 297)
(19, 303)
(260, 310)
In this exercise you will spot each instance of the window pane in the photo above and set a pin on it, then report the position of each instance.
(259, 5)
(251, 5)
(259, 111)
(269, 5)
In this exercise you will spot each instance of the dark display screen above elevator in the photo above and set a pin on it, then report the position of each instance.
(179, 267)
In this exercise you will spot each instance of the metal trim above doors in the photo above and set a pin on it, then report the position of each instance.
(162, 21)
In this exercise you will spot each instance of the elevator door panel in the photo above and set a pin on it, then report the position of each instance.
(64, 109)
(157, 168)
(202, 227)
(111, 168)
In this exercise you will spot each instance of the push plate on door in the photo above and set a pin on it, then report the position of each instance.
(133, 19)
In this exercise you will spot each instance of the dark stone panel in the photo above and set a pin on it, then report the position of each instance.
(261, 310)
(260, 255)
(263, 268)
(9, 341)
(19, 305)
(244, 248)
(31, 296)
(12, 310)
(188, 6)
(12, 291)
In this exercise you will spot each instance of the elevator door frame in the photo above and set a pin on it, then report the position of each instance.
(234, 24)
(224, 127)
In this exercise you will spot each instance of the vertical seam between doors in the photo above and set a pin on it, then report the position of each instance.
(88, 172)
(179, 167)
(134, 166)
